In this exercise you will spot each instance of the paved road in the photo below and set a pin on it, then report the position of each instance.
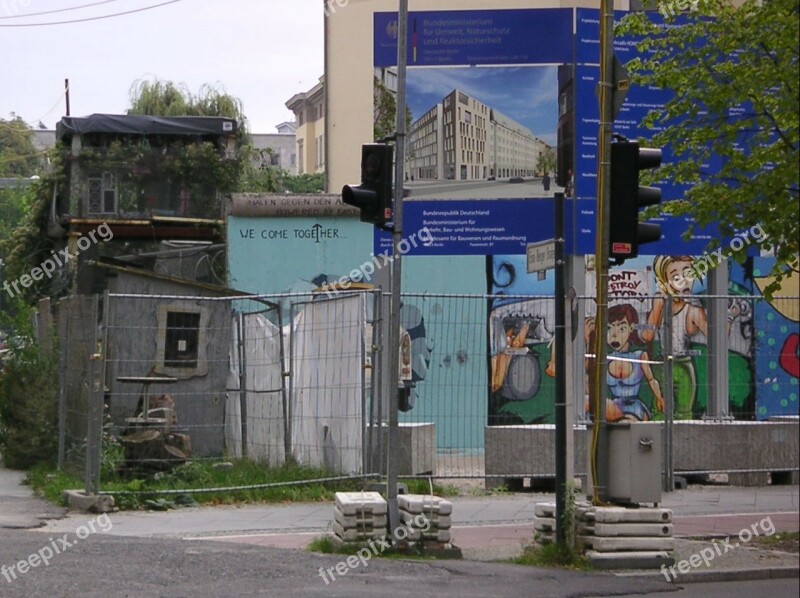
(222, 551)
(103, 565)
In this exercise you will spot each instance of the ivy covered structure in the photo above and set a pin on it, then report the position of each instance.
(146, 179)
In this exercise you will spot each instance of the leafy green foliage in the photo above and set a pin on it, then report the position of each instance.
(27, 246)
(304, 183)
(733, 71)
(28, 396)
(546, 162)
(14, 203)
(165, 98)
(385, 111)
(18, 156)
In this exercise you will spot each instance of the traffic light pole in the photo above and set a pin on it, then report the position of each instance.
(599, 460)
(392, 468)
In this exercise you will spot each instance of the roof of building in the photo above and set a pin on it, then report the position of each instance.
(128, 124)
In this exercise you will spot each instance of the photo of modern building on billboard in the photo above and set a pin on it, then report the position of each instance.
(461, 138)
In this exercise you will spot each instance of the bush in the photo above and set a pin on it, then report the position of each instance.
(28, 397)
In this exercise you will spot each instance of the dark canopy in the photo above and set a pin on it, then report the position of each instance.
(123, 124)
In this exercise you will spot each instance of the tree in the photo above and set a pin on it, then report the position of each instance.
(18, 155)
(546, 162)
(732, 72)
(385, 111)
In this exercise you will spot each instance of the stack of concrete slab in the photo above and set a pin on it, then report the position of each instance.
(630, 538)
(427, 518)
(359, 516)
(544, 521)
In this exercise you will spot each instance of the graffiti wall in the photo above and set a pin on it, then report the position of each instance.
(763, 341)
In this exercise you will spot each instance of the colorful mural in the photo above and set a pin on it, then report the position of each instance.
(762, 375)
(777, 361)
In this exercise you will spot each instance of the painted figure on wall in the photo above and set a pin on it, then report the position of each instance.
(675, 276)
(520, 332)
(629, 366)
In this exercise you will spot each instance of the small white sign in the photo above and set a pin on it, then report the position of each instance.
(541, 256)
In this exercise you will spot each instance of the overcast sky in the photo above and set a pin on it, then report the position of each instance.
(261, 51)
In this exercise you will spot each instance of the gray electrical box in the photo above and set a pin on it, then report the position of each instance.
(635, 462)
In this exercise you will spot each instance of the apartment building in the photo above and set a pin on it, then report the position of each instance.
(461, 138)
(309, 112)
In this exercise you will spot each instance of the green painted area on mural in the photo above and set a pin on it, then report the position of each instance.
(539, 409)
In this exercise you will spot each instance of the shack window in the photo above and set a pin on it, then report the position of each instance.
(182, 339)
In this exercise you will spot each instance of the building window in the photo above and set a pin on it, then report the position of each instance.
(300, 165)
(182, 340)
(103, 194)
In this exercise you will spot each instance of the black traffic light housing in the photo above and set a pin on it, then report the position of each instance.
(626, 233)
(374, 195)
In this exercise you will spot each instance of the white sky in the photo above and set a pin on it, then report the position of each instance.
(261, 51)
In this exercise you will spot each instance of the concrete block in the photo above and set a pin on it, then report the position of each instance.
(633, 529)
(528, 450)
(602, 544)
(351, 503)
(623, 515)
(443, 536)
(544, 509)
(707, 446)
(544, 524)
(424, 503)
(515, 452)
(435, 520)
(630, 560)
(361, 520)
(356, 535)
(750, 478)
(415, 448)
(89, 503)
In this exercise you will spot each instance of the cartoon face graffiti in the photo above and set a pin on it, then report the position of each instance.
(619, 333)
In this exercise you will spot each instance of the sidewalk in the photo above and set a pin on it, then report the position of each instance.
(488, 528)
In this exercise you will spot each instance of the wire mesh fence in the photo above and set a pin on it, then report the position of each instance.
(301, 380)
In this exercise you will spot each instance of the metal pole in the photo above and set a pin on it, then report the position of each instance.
(599, 443)
(243, 383)
(394, 328)
(669, 394)
(717, 356)
(561, 372)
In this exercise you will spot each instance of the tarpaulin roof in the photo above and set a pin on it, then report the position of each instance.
(123, 124)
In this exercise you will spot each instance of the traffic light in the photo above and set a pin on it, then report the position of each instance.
(626, 233)
(374, 195)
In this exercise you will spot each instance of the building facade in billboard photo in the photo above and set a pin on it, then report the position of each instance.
(461, 138)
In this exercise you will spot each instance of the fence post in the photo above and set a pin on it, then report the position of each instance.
(96, 379)
(669, 395)
(242, 380)
(63, 325)
(717, 344)
(287, 446)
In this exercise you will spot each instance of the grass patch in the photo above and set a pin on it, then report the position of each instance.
(785, 541)
(141, 491)
(553, 555)
(326, 545)
(50, 483)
